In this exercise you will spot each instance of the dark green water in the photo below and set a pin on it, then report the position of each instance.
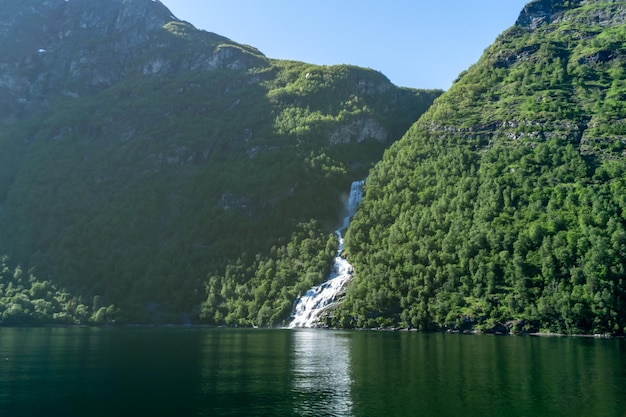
(210, 372)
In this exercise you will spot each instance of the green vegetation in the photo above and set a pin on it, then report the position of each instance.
(201, 182)
(193, 195)
(262, 292)
(26, 300)
(503, 208)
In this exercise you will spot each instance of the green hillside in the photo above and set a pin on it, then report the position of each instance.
(164, 174)
(504, 207)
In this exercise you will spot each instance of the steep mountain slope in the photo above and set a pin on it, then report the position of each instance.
(153, 166)
(503, 208)
(73, 48)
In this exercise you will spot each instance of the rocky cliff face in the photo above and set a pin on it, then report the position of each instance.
(540, 12)
(77, 47)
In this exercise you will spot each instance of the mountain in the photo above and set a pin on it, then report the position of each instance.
(154, 172)
(503, 207)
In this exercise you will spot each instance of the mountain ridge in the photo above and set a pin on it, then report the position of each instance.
(159, 173)
(77, 47)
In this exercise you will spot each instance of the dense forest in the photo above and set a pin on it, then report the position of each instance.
(503, 208)
(27, 300)
(151, 172)
(171, 174)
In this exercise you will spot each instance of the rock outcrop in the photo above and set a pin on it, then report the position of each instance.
(77, 47)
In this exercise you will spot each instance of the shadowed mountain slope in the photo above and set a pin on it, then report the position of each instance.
(149, 167)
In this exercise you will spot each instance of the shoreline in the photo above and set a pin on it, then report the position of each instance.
(378, 329)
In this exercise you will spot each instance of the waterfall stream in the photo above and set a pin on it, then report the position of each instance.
(308, 308)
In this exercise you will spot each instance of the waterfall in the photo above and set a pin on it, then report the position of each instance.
(308, 308)
(356, 194)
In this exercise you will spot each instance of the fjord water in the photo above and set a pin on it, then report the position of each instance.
(305, 372)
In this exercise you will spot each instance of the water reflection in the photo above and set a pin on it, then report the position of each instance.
(75, 372)
(411, 374)
(322, 379)
(245, 373)
(155, 372)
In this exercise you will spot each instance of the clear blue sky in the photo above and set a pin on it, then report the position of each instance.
(415, 43)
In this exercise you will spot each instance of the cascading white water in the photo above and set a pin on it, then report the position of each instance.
(307, 308)
(356, 194)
